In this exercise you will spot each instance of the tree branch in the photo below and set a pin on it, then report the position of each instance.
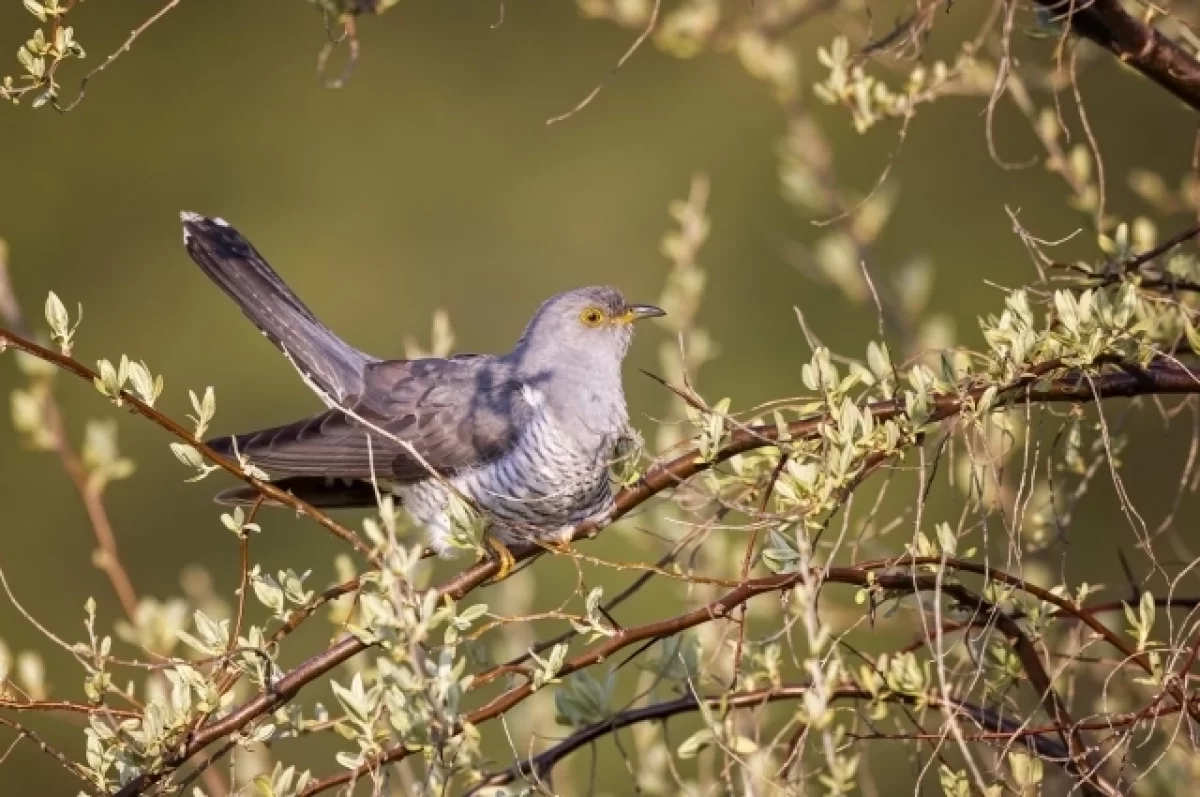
(540, 765)
(267, 489)
(1141, 46)
(86, 785)
(881, 574)
(108, 559)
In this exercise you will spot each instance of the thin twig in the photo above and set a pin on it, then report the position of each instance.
(540, 765)
(45, 747)
(117, 53)
(267, 489)
(633, 48)
(108, 558)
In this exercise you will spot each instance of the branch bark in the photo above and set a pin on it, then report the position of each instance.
(108, 558)
(1136, 43)
(270, 491)
(881, 573)
(540, 765)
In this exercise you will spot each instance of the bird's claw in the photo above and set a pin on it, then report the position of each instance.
(501, 555)
(557, 543)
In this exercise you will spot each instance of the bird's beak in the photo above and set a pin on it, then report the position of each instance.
(636, 312)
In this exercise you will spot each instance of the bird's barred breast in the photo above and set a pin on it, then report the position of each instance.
(548, 483)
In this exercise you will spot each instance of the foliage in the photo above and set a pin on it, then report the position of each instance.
(1010, 683)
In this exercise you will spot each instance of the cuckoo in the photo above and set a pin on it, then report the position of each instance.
(524, 438)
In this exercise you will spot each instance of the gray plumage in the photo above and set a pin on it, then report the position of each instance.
(526, 436)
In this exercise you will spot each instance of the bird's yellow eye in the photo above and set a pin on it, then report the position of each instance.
(592, 317)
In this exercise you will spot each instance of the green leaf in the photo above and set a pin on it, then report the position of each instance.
(36, 8)
(1026, 769)
(470, 615)
(268, 592)
(692, 746)
(205, 408)
(188, 455)
(194, 643)
(349, 760)
(214, 633)
(879, 360)
(57, 318)
(145, 386)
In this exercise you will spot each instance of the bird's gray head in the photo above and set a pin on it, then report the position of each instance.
(585, 327)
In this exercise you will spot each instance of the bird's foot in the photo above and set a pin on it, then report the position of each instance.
(499, 553)
(559, 542)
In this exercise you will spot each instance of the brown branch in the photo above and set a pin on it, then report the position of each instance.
(540, 765)
(514, 665)
(270, 491)
(280, 693)
(114, 55)
(651, 22)
(108, 558)
(66, 706)
(1131, 268)
(747, 560)
(1082, 764)
(64, 762)
(870, 574)
(1133, 42)
(1176, 240)
(1093, 609)
(10, 310)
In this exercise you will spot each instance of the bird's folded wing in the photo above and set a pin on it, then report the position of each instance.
(455, 414)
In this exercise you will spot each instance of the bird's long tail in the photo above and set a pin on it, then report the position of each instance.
(232, 263)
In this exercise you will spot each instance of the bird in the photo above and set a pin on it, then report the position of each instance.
(525, 439)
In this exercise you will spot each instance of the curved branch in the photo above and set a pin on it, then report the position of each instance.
(25, 733)
(92, 498)
(999, 727)
(881, 574)
(1133, 42)
(73, 366)
(1090, 610)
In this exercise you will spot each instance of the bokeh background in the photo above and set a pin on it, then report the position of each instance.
(432, 180)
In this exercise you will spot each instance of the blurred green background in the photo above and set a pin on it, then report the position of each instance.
(431, 180)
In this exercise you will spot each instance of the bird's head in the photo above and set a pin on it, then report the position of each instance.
(586, 325)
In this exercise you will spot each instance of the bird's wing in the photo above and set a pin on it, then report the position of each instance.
(455, 413)
(230, 261)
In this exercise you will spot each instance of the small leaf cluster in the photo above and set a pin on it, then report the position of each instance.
(41, 55)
